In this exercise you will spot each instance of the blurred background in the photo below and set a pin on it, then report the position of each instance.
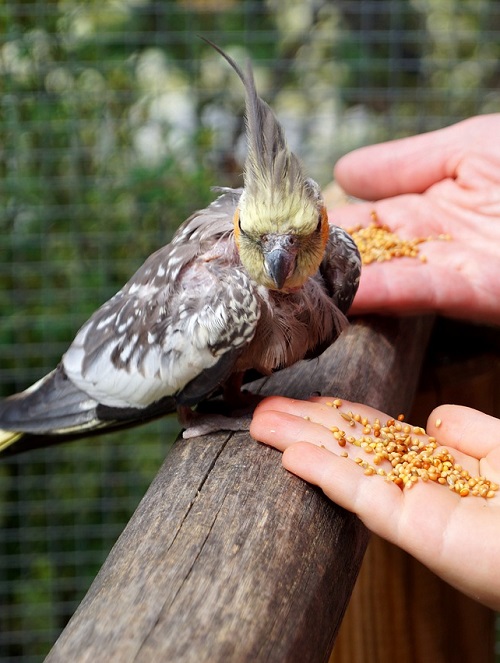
(115, 121)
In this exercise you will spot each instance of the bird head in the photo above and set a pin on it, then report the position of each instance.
(280, 224)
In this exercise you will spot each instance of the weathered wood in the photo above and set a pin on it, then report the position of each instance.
(230, 558)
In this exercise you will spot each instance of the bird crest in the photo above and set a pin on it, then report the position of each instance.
(275, 186)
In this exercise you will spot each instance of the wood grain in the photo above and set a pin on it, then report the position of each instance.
(230, 558)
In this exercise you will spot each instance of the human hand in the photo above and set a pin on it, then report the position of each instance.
(442, 182)
(456, 537)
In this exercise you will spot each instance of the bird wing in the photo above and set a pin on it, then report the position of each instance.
(181, 320)
(341, 268)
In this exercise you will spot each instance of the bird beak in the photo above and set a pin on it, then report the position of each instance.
(280, 254)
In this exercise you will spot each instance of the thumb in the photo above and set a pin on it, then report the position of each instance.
(408, 165)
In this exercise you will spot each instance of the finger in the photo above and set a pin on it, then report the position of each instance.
(427, 521)
(396, 289)
(399, 516)
(319, 422)
(343, 481)
(410, 216)
(324, 409)
(282, 422)
(280, 430)
(473, 432)
(409, 286)
(408, 165)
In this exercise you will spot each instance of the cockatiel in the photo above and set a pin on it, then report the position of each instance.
(257, 280)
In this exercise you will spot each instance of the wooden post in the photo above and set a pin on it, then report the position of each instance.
(230, 558)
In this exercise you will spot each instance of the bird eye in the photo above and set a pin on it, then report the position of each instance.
(242, 232)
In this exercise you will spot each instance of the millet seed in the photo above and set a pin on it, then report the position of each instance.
(378, 243)
(411, 458)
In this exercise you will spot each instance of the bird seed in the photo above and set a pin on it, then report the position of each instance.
(378, 243)
(412, 458)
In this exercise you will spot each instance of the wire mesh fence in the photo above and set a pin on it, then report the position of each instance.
(115, 121)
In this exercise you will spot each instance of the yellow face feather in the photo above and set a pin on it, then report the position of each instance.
(309, 247)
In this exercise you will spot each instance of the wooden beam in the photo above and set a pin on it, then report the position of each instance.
(230, 558)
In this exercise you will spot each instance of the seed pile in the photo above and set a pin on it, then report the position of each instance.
(412, 456)
(378, 243)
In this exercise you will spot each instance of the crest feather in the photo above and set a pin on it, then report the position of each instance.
(271, 169)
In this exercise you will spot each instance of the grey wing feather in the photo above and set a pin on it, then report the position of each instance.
(183, 310)
(341, 268)
(174, 330)
(54, 403)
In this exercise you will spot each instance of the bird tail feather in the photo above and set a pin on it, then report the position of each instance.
(7, 438)
(52, 405)
(54, 410)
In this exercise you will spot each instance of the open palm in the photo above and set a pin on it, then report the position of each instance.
(456, 537)
(443, 182)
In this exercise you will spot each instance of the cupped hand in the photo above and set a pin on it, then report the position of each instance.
(456, 537)
(442, 182)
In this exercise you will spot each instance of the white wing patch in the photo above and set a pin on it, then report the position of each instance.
(136, 360)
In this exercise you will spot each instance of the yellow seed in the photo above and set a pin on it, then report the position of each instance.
(412, 458)
(378, 243)
(337, 403)
(438, 423)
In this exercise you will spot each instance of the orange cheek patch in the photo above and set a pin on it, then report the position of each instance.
(325, 228)
(236, 222)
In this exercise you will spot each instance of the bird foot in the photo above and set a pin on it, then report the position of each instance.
(229, 414)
